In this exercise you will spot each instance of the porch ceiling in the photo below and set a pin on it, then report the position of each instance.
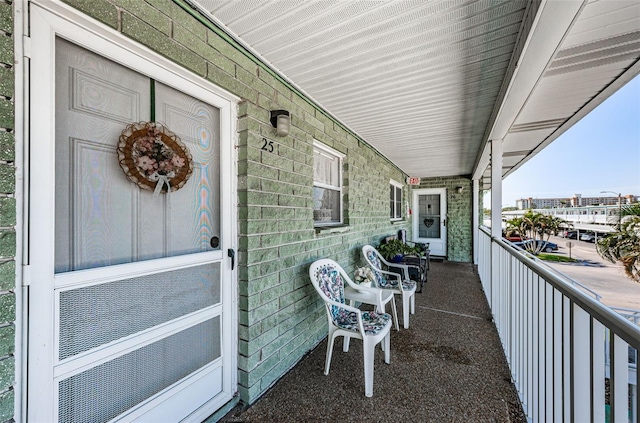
(428, 83)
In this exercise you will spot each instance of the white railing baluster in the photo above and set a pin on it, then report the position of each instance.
(535, 347)
(513, 318)
(581, 363)
(558, 356)
(529, 345)
(598, 371)
(567, 407)
(619, 378)
(548, 353)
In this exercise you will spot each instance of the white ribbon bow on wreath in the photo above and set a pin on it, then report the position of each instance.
(162, 180)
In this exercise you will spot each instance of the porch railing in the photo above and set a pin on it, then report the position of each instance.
(569, 355)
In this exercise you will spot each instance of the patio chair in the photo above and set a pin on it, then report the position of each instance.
(402, 284)
(418, 264)
(328, 278)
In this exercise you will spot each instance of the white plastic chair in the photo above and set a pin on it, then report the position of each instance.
(328, 279)
(402, 284)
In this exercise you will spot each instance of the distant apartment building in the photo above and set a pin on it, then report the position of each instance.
(540, 203)
(576, 201)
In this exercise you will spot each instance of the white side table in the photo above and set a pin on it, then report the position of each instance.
(368, 295)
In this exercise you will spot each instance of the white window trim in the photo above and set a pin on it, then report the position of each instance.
(325, 149)
(401, 186)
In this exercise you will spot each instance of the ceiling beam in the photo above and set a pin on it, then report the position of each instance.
(549, 28)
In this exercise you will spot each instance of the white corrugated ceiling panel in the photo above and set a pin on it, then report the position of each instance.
(416, 79)
(419, 80)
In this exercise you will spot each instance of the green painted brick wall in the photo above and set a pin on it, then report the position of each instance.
(280, 316)
(459, 216)
(7, 399)
(7, 214)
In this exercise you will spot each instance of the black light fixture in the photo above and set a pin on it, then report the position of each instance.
(281, 121)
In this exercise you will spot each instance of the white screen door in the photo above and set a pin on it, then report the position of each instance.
(429, 219)
(130, 306)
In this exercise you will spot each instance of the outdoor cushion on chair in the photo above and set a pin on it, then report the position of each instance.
(328, 279)
(373, 322)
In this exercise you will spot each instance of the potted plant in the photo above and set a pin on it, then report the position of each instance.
(394, 250)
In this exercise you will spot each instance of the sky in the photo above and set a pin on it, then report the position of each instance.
(599, 153)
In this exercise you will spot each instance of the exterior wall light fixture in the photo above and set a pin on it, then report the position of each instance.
(281, 120)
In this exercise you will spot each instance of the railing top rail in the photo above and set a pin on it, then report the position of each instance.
(631, 311)
(571, 280)
(604, 314)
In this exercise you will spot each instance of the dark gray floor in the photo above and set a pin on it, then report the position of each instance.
(447, 367)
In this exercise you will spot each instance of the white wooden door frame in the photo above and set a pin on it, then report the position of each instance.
(443, 213)
(48, 20)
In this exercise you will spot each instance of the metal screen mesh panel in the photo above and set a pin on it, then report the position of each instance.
(96, 315)
(105, 391)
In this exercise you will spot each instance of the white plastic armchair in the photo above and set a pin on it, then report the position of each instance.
(400, 284)
(328, 279)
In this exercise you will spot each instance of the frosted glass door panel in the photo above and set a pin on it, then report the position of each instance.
(194, 213)
(94, 203)
(429, 216)
(103, 219)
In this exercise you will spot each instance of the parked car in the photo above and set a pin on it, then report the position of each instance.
(590, 236)
(545, 246)
(514, 238)
(569, 234)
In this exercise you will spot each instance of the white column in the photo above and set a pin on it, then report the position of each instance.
(496, 188)
(475, 213)
(496, 219)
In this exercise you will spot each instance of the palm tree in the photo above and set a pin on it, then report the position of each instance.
(623, 245)
(535, 226)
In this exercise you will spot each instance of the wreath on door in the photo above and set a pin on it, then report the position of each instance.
(154, 158)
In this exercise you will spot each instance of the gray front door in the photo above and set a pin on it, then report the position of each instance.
(133, 287)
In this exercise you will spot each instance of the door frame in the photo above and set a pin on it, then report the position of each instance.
(443, 212)
(48, 20)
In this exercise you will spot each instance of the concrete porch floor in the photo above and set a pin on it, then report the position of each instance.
(447, 367)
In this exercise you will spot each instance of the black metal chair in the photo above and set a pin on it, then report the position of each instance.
(418, 264)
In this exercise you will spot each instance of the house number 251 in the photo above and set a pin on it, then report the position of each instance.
(267, 145)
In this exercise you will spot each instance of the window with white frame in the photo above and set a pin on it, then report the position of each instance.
(327, 185)
(395, 200)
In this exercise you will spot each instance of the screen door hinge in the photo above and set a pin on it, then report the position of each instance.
(26, 46)
(26, 275)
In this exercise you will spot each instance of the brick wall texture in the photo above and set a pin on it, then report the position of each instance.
(280, 315)
(7, 214)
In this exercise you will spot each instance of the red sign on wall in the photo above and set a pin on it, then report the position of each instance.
(413, 181)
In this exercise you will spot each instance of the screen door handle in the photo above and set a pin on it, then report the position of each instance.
(232, 253)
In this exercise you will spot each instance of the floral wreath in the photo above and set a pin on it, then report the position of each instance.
(154, 158)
